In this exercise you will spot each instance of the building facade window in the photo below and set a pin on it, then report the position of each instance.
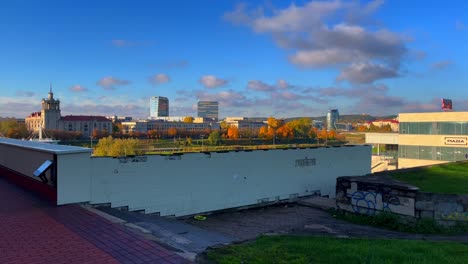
(432, 153)
(434, 128)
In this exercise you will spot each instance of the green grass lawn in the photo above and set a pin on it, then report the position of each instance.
(292, 249)
(447, 178)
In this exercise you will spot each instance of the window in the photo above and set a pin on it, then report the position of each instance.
(434, 128)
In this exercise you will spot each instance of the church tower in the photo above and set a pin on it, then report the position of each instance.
(50, 112)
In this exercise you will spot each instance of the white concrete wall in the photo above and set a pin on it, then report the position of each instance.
(23, 160)
(382, 138)
(74, 178)
(197, 182)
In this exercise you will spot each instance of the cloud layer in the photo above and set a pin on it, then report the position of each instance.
(160, 78)
(110, 83)
(211, 81)
(330, 34)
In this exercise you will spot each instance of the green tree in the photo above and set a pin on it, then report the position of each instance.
(214, 138)
(13, 129)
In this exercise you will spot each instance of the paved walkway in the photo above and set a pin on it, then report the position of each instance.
(33, 231)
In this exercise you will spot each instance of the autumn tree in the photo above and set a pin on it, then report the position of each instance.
(214, 138)
(13, 129)
(188, 119)
(262, 132)
(172, 132)
(111, 147)
(322, 134)
(274, 123)
(96, 133)
(233, 132)
(246, 133)
(301, 127)
(313, 132)
(285, 132)
(332, 134)
(362, 128)
(153, 133)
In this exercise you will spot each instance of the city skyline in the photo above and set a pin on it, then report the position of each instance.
(265, 58)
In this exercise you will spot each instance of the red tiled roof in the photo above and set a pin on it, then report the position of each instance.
(84, 118)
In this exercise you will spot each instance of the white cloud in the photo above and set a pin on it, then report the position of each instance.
(160, 78)
(283, 84)
(211, 81)
(109, 82)
(78, 88)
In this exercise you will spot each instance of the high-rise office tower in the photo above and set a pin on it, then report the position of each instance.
(208, 109)
(159, 106)
(332, 118)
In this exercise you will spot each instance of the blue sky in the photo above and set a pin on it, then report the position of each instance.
(258, 58)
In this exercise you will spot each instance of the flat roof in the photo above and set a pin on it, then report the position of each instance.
(45, 147)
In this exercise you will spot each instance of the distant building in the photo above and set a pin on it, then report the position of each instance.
(159, 106)
(332, 119)
(392, 123)
(119, 119)
(244, 122)
(432, 138)
(50, 119)
(143, 126)
(208, 109)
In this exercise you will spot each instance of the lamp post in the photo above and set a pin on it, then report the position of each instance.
(202, 136)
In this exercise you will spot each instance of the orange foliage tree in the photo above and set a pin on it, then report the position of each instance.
(233, 132)
(285, 132)
(172, 132)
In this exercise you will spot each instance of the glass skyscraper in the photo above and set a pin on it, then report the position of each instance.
(332, 118)
(208, 109)
(159, 106)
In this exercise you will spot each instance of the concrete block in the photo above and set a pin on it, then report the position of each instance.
(426, 214)
(424, 205)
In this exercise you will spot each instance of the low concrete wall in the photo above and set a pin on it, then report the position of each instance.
(444, 208)
(376, 193)
(202, 182)
(371, 194)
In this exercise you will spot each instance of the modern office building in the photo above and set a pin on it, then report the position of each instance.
(159, 106)
(208, 109)
(332, 119)
(432, 138)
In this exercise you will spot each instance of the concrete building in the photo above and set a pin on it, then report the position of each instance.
(332, 119)
(432, 138)
(50, 118)
(426, 138)
(143, 126)
(392, 123)
(209, 109)
(244, 123)
(159, 106)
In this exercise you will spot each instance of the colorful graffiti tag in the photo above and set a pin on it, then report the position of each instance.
(369, 202)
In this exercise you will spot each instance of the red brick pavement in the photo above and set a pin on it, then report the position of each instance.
(33, 231)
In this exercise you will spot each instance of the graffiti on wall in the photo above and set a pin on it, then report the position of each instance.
(369, 202)
(455, 216)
